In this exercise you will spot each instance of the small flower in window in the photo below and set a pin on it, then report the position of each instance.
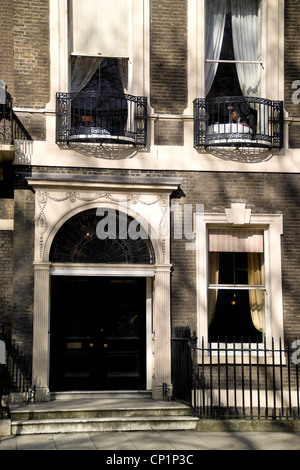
(230, 109)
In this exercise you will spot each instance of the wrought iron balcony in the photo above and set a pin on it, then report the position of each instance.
(91, 116)
(11, 128)
(238, 122)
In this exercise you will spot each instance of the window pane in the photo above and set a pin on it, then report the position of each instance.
(233, 33)
(96, 74)
(226, 82)
(233, 268)
(235, 316)
(236, 268)
(100, 104)
(227, 52)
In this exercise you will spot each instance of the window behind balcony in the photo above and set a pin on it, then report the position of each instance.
(99, 45)
(99, 39)
(233, 47)
(99, 103)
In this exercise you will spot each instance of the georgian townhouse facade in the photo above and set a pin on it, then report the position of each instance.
(157, 187)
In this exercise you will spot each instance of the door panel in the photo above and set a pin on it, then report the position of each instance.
(98, 333)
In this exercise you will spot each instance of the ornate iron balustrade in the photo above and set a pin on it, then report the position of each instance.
(92, 116)
(259, 124)
(11, 128)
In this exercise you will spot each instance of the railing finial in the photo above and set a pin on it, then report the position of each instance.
(193, 340)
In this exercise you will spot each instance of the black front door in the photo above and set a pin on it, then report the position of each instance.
(98, 333)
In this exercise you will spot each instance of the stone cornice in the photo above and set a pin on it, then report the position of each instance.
(112, 183)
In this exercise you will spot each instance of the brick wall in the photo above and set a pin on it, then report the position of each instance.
(24, 51)
(292, 52)
(25, 58)
(292, 65)
(168, 132)
(168, 55)
(168, 70)
(6, 208)
(23, 268)
(6, 276)
(31, 53)
(7, 45)
(6, 262)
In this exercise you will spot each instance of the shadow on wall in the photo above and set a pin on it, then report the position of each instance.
(241, 154)
(104, 151)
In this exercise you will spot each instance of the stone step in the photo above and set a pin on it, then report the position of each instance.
(132, 423)
(100, 411)
(29, 414)
(130, 395)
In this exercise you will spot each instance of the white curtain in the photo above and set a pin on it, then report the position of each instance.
(215, 23)
(123, 70)
(256, 297)
(246, 43)
(214, 266)
(82, 70)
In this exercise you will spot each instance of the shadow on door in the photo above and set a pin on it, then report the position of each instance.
(98, 333)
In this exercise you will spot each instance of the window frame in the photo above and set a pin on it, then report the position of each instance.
(272, 45)
(138, 64)
(272, 226)
(234, 61)
(73, 53)
(139, 57)
(236, 287)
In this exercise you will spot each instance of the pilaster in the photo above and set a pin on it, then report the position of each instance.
(162, 327)
(41, 318)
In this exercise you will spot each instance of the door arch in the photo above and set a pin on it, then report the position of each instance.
(78, 241)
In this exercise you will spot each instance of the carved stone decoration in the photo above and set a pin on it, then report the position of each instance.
(238, 214)
(77, 198)
(41, 223)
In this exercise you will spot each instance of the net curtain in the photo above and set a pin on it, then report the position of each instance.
(83, 69)
(246, 20)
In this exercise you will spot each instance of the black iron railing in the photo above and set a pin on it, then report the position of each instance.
(11, 128)
(244, 380)
(15, 374)
(238, 122)
(181, 364)
(92, 116)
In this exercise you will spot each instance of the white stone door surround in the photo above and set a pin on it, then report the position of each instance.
(57, 198)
